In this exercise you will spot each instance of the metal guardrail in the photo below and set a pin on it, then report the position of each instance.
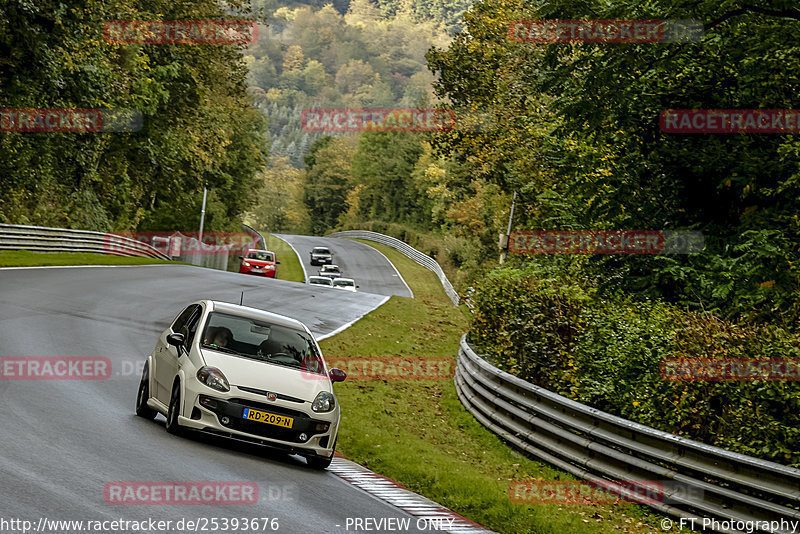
(407, 250)
(42, 239)
(706, 481)
(262, 241)
(194, 252)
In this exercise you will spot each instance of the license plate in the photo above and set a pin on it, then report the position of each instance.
(256, 271)
(268, 418)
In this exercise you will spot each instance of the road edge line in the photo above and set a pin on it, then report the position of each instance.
(299, 259)
(388, 260)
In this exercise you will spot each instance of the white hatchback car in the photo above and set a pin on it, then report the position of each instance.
(348, 284)
(315, 280)
(245, 374)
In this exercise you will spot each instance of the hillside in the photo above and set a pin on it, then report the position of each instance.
(371, 56)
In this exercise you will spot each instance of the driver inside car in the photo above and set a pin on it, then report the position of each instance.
(269, 348)
(219, 338)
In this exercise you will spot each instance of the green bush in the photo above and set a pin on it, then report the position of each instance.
(556, 332)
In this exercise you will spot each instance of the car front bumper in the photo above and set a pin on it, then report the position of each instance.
(269, 273)
(207, 410)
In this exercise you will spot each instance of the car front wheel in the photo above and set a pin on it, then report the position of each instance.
(142, 409)
(174, 409)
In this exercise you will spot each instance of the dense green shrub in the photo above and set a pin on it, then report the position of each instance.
(557, 333)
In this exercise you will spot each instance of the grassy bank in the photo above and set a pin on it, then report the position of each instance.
(290, 268)
(418, 433)
(26, 258)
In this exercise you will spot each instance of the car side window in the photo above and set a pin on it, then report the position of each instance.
(183, 317)
(190, 329)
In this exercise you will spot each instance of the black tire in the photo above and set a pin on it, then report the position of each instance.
(318, 462)
(142, 409)
(172, 413)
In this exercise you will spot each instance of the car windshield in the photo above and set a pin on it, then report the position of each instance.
(262, 256)
(340, 282)
(320, 251)
(262, 341)
(319, 281)
(330, 269)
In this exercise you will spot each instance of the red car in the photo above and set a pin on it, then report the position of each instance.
(259, 262)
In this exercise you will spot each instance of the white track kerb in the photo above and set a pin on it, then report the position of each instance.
(387, 490)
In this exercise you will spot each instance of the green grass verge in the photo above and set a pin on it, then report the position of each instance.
(290, 268)
(419, 434)
(26, 258)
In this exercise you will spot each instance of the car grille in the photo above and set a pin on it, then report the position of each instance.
(231, 411)
(264, 393)
(261, 429)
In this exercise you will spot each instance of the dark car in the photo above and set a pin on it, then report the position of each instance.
(259, 262)
(321, 256)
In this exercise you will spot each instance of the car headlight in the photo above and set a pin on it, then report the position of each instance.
(213, 378)
(245, 264)
(325, 402)
(270, 267)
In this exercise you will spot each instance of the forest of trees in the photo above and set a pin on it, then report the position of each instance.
(199, 126)
(316, 57)
(446, 14)
(577, 136)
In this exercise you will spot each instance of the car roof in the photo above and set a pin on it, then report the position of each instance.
(330, 266)
(254, 313)
(321, 248)
(315, 277)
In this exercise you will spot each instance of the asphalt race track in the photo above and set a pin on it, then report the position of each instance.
(371, 270)
(63, 441)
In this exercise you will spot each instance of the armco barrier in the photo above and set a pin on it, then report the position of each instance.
(262, 243)
(42, 239)
(595, 445)
(407, 250)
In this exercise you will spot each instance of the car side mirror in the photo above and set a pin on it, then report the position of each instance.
(176, 339)
(240, 257)
(277, 263)
(337, 375)
(357, 287)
